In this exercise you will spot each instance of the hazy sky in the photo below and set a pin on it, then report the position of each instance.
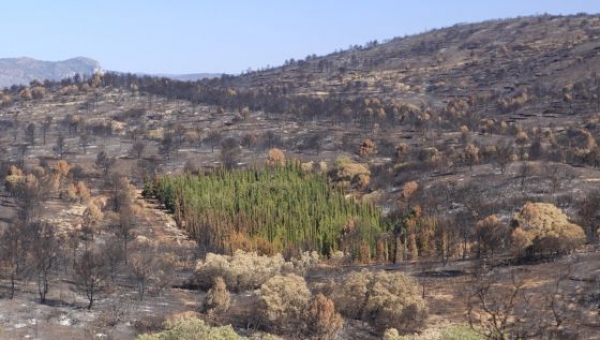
(190, 36)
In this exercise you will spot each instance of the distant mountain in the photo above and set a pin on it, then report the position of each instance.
(21, 71)
(180, 77)
(190, 76)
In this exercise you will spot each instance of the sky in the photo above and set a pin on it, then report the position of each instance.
(227, 36)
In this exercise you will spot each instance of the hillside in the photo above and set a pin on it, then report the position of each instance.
(428, 183)
(487, 56)
(21, 71)
(489, 62)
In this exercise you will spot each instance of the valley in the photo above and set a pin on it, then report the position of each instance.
(435, 186)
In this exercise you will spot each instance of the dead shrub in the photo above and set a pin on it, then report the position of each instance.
(149, 323)
(322, 321)
(38, 92)
(217, 299)
(368, 148)
(276, 157)
(347, 173)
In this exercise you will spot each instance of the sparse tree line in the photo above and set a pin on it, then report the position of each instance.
(570, 144)
(96, 254)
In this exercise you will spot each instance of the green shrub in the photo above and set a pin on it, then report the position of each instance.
(460, 332)
(392, 334)
(192, 328)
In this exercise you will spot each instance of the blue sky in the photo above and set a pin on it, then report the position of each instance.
(187, 36)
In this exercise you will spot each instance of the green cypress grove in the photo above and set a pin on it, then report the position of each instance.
(270, 209)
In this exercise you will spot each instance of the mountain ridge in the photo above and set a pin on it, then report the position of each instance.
(183, 76)
(516, 52)
(23, 70)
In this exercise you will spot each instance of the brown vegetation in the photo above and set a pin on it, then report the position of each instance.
(507, 126)
(383, 299)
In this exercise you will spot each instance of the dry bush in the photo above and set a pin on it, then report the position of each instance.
(92, 215)
(362, 181)
(471, 155)
(322, 321)
(240, 271)
(70, 194)
(321, 166)
(431, 155)
(13, 170)
(38, 92)
(25, 94)
(299, 264)
(5, 99)
(83, 192)
(312, 166)
(148, 324)
(492, 235)
(283, 301)
(217, 299)
(244, 271)
(308, 166)
(402, 152)
(408, 192)
(521, 138)
(346, 172)
(155, 135)
(85, 87)
(69, 90)
(391, 334)
(543, 228)
(383, 299)
(367, 148)
(276, 157)
(264, 336)
(117, 127)
(339, 258)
